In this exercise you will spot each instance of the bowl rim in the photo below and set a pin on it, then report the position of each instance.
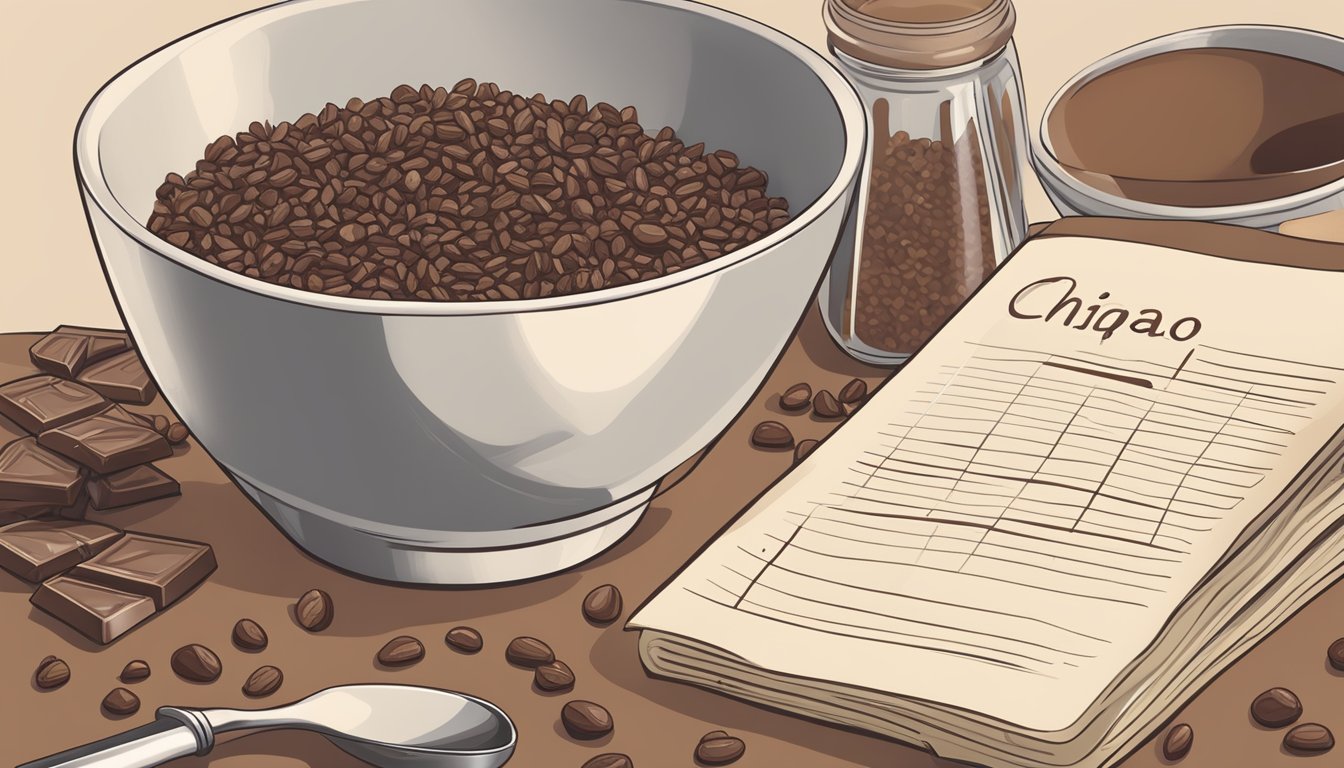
(1055, 176)
(89, 176)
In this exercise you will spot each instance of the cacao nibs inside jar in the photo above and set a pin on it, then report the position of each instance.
(927, 235)
(466, 194)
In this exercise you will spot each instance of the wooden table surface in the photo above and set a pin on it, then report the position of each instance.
(657, 722)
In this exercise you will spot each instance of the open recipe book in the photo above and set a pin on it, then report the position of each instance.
(1110, 474)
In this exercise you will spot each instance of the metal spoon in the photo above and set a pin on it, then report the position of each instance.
(386, 725)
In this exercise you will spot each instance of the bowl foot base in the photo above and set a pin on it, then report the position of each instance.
(367, 554)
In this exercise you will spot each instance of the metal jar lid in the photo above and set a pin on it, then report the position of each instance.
(919, 34)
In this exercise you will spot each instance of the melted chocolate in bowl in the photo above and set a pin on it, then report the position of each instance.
(1204, 127)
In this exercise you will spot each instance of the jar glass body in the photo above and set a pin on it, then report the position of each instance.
(939, 204)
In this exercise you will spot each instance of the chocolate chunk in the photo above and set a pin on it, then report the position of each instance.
(554, 676)
(825, 406)
(610, 760)
(122, 378)
(99, 613)
(528, 652)
(771, 435)
(66, 350)
(248, 635)
(131, 486)
(796, 398)
(314, 610)
(1309, 737)
(134, 671)
(196, 663)
(464, 639)
(107, 442)
(51, 673)
(603, 605)
(853, 392)
(1178, 741)
(1276, 708)
(1335, 654)
(18, 511)
(586, 720)
(715, 749)
(263, 682)
(401, 651)
(157, 567)
(76, 511)
(120, 701)
(43, 402)
(36, 550)
(9, 431)
(177, 433)
(60, 354)
(160, 424)
(29, 472)
(803, 449)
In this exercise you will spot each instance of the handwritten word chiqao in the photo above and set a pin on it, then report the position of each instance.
(1043, 300)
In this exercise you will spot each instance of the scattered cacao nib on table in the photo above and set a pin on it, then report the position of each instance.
(196, 663)
(1309, 738)
(603, 605)
(553, 676)
(1276, 708)
(134, 671)
(719, 748)
(464, 639)
(176, 433)
(120, 701)
(796, 398)
(1335, 654)
(803, 448)
(263, 682)
(1178, 742)
(610, 760)
(314, 610)
(585, 720)
(401, 651)
(771, 435)
(528, 652)
(854, 392)
(248, 635)
(825, 406)
(51, 673)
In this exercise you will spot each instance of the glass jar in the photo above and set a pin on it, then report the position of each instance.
(940, 202)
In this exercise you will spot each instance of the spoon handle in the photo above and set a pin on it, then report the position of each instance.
(168, 737)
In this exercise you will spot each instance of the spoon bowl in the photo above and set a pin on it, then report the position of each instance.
(392, 725)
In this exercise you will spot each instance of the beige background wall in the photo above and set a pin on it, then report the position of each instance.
(55, 54)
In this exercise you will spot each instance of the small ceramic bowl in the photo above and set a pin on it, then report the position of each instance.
(1263, 200)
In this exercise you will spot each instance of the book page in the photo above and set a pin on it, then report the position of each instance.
(1010, 520)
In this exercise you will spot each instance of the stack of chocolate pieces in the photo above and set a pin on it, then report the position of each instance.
(65, 447)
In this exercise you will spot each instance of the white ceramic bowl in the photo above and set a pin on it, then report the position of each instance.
(464, 443)
(1074, 197)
